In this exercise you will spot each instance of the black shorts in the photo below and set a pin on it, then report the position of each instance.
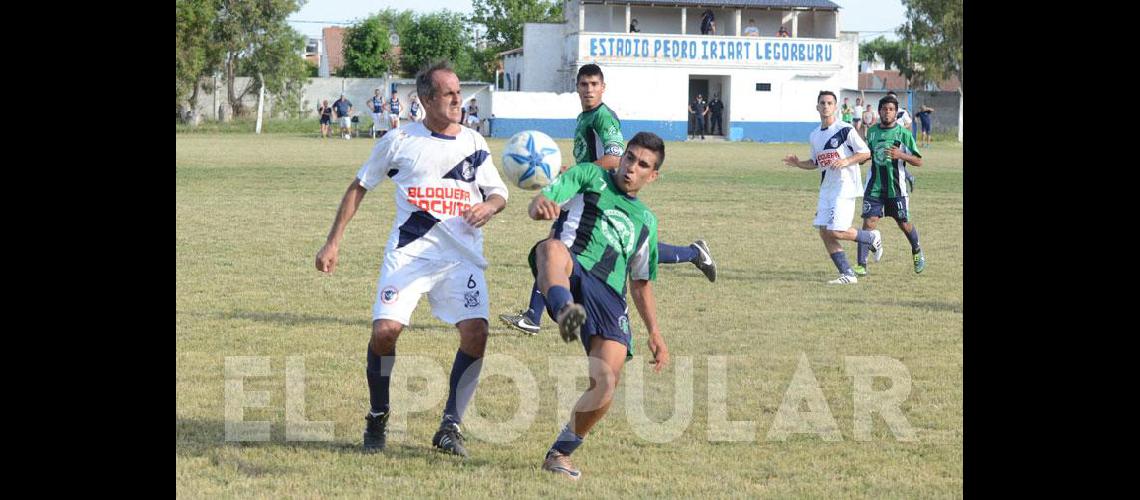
(887, 207)
(325, 121)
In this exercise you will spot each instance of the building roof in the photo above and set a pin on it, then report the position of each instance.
(750, 4)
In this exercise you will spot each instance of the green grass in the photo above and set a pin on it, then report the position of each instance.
(252, 211)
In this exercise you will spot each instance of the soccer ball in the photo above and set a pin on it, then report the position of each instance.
(531, 160)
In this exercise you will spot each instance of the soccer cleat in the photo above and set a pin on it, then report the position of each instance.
(520, 322)
(449, 439)
(859, 270)
(844, 279)
(705, 261)
(570, 320)
(919, 262)
(375, 432)
(877, 245)
(558, 463)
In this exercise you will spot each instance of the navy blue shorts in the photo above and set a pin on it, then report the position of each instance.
(925, 127)
(607, 313)
(886, 207)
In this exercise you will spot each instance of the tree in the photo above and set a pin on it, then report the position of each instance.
(434, 36)
(196, 54)
(367, 53)
(934, 31)
(504, 19)
(256, 41)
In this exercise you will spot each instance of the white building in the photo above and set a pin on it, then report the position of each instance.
(769, 84)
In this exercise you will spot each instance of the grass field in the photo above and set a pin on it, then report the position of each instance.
(251, 213)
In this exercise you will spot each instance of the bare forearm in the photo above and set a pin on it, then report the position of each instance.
(608, 162)
(348, 206)
(646, 303)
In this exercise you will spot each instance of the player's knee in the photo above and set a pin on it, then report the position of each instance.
(473, 336)
(384, 338)
(551, 248)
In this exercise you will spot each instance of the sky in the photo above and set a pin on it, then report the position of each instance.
(869, 17)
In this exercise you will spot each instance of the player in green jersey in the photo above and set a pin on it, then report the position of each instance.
(886, 192)
(604, 236)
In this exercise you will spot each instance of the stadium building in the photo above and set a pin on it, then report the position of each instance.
(768, 83)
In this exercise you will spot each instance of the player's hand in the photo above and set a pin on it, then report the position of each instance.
(894, 152)
(840, 163)
(326, 258)
(792, 161)
(478, 214)
(660, 352)
(544, 209)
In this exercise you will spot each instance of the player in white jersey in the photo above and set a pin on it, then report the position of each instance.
(836, 150)
(442, 172)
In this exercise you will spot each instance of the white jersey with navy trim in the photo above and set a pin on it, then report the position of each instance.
(830, 144)
(437, 178)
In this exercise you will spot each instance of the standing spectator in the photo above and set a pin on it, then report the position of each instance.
(708, 23)
(633, 26)
(343, 108)
(699, 108)
(924, 121)
(376, 103)
(869, 119)
(783, 33)
(847, 111)
(751, 29)
(326, 118)
(857, 115)
(716, 106)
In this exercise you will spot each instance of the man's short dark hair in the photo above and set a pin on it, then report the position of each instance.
(892, 93)
(889, 98)
(590, 70)
(826, 92)
(424, 84)
(652, 142)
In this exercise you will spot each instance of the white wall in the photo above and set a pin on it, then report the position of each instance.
(513, 65)
(542, 44)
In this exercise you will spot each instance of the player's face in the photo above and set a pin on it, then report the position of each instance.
(445, 104)
(636, 169)
(887, 113)
(590, 90)
(825, 105)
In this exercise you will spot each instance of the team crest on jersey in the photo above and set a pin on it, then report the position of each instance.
(468, 170)
(619, 230)
(615, 150)
(833, 143)
(471, 299)
(389, 295)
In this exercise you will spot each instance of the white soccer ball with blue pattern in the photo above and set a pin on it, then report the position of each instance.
(531, 160)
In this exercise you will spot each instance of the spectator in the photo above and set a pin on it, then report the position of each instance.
(343, 108)
(700, 109)
(751, 29)
(326, 118)
(783, 33)
(708, 23)
(415, 111)
(847, 111)
(869, 119)
(923, 116)
(376, 106)
(716, 106)
(633, 26)
(857, 114)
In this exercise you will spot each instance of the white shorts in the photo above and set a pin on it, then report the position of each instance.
(346, 122)
(834, 214)
(378, 121)
(472, 119)
(394, 119)
(456, 290)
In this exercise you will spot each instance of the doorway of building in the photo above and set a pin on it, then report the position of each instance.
(710, 87)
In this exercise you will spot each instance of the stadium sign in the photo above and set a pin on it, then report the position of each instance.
(690, 50)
